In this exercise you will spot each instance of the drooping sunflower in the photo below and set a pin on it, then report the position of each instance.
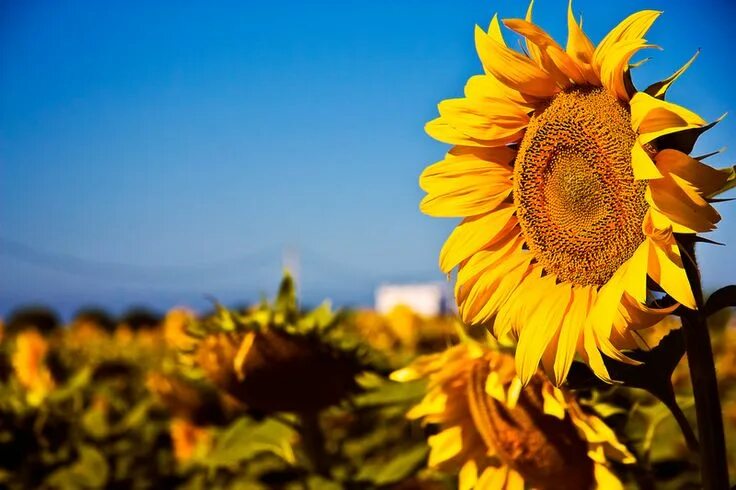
(571, 185)
(499, 436)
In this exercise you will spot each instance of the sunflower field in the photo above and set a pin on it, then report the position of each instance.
(277, 397)
(583, 353)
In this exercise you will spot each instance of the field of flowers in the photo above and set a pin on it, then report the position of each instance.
(276, 397)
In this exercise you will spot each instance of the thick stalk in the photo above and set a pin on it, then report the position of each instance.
(713, 466)
(314, 443)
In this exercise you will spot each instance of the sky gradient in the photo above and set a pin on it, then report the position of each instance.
(158, 153)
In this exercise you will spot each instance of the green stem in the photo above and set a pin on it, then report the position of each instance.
(668, 399)
(314, 442)
(713, 465)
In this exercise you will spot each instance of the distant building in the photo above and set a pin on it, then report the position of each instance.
(427, 299)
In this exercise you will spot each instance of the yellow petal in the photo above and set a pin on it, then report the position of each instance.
(480, 297)
(507, 243)
(592, 356)
(614, 65)
(570, 331)
(458, 173)
(680, 202)
(445, 445)
(665, 264)
(467, 184)
(551, 405)
(468, 476)
(641, 317)
(494, 30)
(441, 130)
(474, 233)
(493, 478)
(659, 89)
(485, 119)
(510, 310)
(653, 118)
(459, 204)
(706, 179)
(514, 481)
(633, 27)
(578, 43)
(532, 49)
(642, 164)
(551, 57)
(488, 87)
(542, 324)
(512, 396)
(494, 387)
(605, 479)
(606, 347)
(607, 301)
(494, 288)
(580, 48)
(433, 403)
(636, 273)
(514, 70)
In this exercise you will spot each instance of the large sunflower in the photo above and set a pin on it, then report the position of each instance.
(499, 436)
(571, 185)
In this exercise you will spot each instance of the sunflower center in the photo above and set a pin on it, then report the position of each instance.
(578, 203)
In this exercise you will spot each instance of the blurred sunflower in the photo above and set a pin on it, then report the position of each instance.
(501, 435)
(189, 440)
(274, 345)
(29, 365)
(571, 185)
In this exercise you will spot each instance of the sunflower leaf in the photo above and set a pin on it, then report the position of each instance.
(663, 358)
(723, 298)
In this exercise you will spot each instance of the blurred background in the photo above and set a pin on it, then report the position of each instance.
(162, 153)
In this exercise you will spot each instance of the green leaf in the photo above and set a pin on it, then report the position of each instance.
(397, 468)
(388, 392)
(89, 471)
(245, 439)
(72, 387)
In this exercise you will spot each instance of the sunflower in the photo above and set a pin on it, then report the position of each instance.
(500, 435)
(188, 439)
(29, 363)
(572, 186)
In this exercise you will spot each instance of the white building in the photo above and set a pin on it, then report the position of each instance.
(427, 299)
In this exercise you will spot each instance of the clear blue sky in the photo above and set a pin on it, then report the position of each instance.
(156, 152)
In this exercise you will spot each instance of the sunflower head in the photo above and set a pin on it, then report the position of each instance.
(493, 429)
(189, 440)
(274, 358)
(29, 364)
(188, 399)
(572, 186)
(175, 326)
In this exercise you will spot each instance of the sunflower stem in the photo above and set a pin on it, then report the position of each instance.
(713, 466)
(667, 397)
(314, 442)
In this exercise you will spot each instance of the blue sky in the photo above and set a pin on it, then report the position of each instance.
(158, 152)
